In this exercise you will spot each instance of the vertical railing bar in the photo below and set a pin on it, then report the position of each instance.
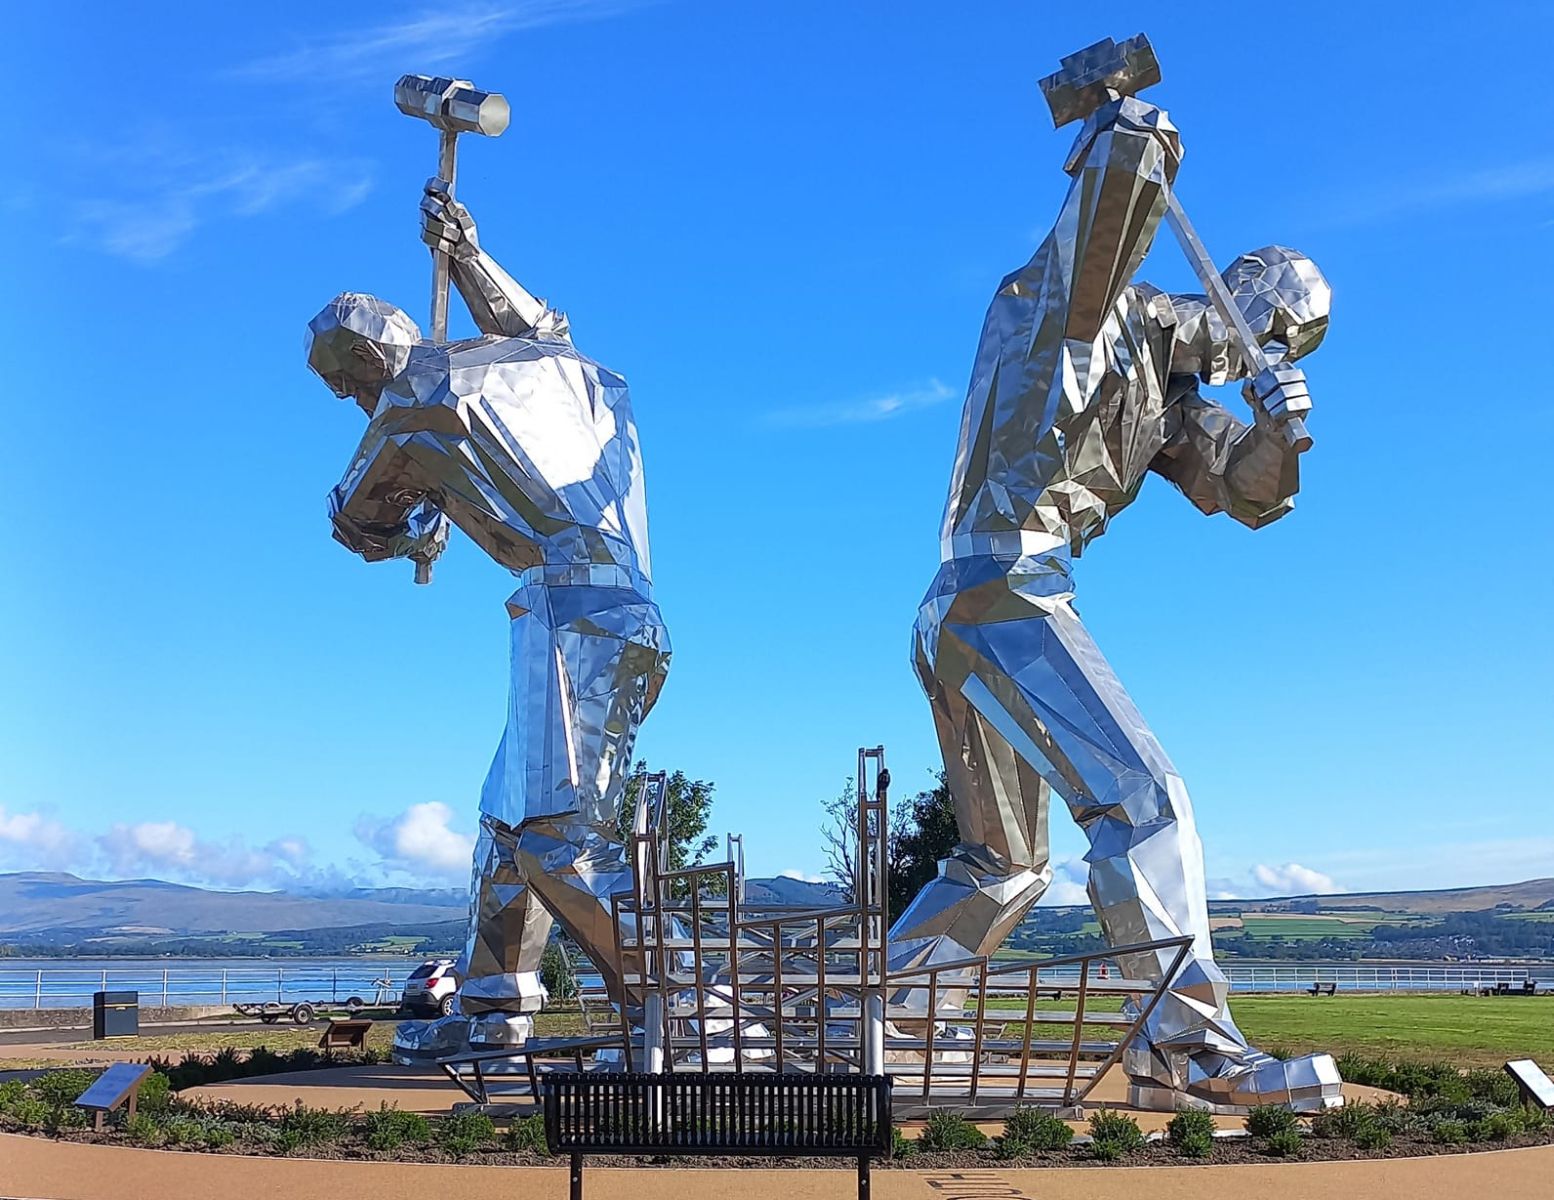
(1079, 1022)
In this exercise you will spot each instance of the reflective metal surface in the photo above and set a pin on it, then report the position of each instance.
(530, 448)
(1084, 383)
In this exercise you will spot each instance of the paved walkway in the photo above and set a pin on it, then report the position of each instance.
(37, 1169)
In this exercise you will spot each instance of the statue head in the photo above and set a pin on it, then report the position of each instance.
(1284, 297)
(358, 343)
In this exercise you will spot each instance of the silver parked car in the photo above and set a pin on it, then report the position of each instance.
(431, 987)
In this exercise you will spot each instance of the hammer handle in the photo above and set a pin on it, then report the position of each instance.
(447, 164)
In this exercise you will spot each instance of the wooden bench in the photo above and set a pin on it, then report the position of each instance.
(1322, 989)
(744, 1113)
(345, 1035)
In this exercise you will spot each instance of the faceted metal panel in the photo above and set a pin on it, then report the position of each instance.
(1084, 383)
(530, 448)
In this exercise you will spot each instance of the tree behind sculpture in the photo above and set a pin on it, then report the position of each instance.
(922, 831)
(688, 813)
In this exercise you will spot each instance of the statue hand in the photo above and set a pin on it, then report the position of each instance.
(445, 223)
(1279, 392)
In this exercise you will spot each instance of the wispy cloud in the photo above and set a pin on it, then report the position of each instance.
(431, 37)
(857, 412)
(1263, 881)
(420, 842)
(1485, 185)
(174, 194)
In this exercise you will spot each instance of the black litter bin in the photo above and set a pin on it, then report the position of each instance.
(115, 1014)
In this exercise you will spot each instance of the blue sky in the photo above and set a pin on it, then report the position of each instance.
(782, 223)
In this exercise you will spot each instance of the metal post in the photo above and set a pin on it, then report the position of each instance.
(334, 985)
(863, 1178)
(653, 1032)
(164, 987)
(38, 998)
(577, 1177)
(446, 166)
(223, 987)
(874, 1033)
(278, 971)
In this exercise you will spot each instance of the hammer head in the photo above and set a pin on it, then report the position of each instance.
(1090, 77)
(451, 105)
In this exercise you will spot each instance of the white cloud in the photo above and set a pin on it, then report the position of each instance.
(437, 35)
(167, 849)
(855, 412)
(1263, 881)
(801, 876)
(1067, 888)
(173, 193)
(31, 840)
(420, 842)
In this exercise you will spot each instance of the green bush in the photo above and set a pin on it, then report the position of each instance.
(264, 1061)
(1196, 1144)
(11, 1091)
(1396, 1118)
(1372, 1136)
(1038, 1130)
(312, 1126)
(1124, 1131)
(556, 972)
(156, 1093)
(1449, 1132)
(1283, 1143)
(143, 1130)
(1268, 1119)
(1107, 1149)
(950, 1131)
(390, 1128)
(58, 1088)
(901, 1145)
(219, 1134)
(1342, 1123)
(1496, 1127)
(1536, 1120)
(1189, 1122)
(64, 1116)
(30, 1113)
(464, 1133)
(528, 1135)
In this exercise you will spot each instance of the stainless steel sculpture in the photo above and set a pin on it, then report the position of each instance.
(530, 448)
(1084, 382)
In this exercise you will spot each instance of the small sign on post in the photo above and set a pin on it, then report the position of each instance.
(1537, 1088)
(119, 1084)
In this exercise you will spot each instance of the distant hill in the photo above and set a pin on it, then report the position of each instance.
(1528, 896)
(33, 903)
(48, 906)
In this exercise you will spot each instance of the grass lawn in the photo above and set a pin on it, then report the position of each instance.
(1480, 1031)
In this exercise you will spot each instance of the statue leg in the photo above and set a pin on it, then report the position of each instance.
(1016, 678)
(508, 928)
(588, 664)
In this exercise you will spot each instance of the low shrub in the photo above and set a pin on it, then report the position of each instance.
(11, 1091)
(1342, 1123)
(156, 1093)
(312, 1126)
(950, 1131)
(1116, 1128)
(1037, 1130)
(528, 1135)
(144, 1130)
(901, 1145)
(1283, 1143)
(1188, 1123)
(1449, 1132)
(1196, 1144)
(1372, 1136)
(64, 1116)
(59, 1088)
(464, 1133)
(1496, 1127)
(1268, 1119)
(390, 1128)
(1536, 1120)
(30, 1113)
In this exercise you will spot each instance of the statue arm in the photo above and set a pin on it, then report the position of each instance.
(385, 506)
(1123, 161)
(1224, 465)
(498, 302)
